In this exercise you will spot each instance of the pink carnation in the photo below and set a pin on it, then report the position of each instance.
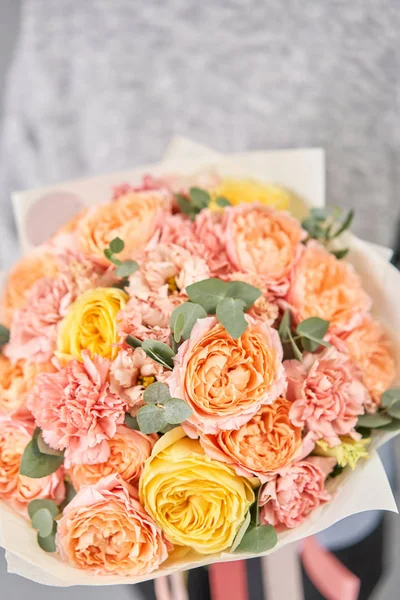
(77, 411)
(290, 495)
(327, 395)
(208, 230)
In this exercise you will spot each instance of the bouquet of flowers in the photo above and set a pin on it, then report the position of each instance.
(188, 373)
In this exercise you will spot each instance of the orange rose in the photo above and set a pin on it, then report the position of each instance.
(16, 380)
(268, 442)
(226, 381)
(128, 451)
(133, 217)
(21, 278)
(370, 349)
(323, 286)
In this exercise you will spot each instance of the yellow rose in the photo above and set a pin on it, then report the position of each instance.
(90, 324)
(348, 452)
(196, 501)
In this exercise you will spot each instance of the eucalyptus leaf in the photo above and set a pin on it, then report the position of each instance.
(4, 335)
(222, 202)
(185, 206)
(258, 539)
(393, 426)
(345, 225)
(207, 293)
(313, 328)
(200, 198)
(131, 422)
(42, 520)
(117, 245)
(48, 544)
(45, 448)
(394, 410)
(242, 530)
(191, 313)
(70, 494)
(285, 325)
(340, 253)
(239, 290)
(390, 396)
(176, 411)
(36, 505)
(296, 352)
(159, 352)
(373, 421)
(179, 326)
(34, 464)
(126, 268)
(230, 314)
(319, 214)
(151, 418)
(156, 393)
(133, 342)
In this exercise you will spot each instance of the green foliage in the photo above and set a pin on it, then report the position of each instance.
(325, 225)
(159, 352)
(4, 335)
(36, 464)
(123, 268)
(258, 539)
(183, 319)
(156, 393)
(160, 410)
(230, 314)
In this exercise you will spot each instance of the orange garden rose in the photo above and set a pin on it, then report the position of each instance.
(268, 442)
(226, 381)
(323, 286)
(133, 217)
(21, 278)
(129, 450)
(370, 349)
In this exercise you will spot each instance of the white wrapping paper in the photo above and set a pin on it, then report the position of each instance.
(302, 171)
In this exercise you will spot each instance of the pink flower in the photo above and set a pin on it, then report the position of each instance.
(77, 411)
(327, 394)
(208, 229)
(105, 530)
(129, 372)
(290, 495)
(148, 183)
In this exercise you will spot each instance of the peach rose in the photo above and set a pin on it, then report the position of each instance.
(129, 450)
(16, 380)
(263, 241)
(323, 286)
(105, 530)
(290, 495)
(22, 276)
(17, 489)
(268, 442)
(134, 218)
(327, 394)
(370, 349)
(226, 381)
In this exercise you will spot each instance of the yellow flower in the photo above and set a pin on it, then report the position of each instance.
(348, 452)
(90, 324)
(196, 501)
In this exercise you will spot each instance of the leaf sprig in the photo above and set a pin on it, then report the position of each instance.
(43, 515)
(38, 459)
(196, 201)
(327, 224)
(309, 334)
(122, 268)
(388, 417)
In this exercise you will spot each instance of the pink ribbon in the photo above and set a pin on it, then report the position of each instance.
(228, 581)
(176, 591)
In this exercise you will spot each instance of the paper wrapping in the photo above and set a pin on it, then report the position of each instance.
(301, 171)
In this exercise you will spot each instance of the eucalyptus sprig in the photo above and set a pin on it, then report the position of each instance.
(308, 335)
(43, 515)
(39, 459)
(196, 200)
(160, 410)
(387, 418)
(123, 268)
(327, 224)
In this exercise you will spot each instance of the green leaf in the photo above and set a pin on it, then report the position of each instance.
(133, 342)
(319, 214)
(36, 505)
(390, 396)
(285, 325)
(45, 448)
(296, 352)
(48, 544)
(393, 426)
(131, 422)
(126, 268)
(151, 418)
(190, 313)
(230, 314)
(176, 411)
(159, 352)
(179, 327)
(313, 328)
(258, 539)
(373, 421)
(34, 464)
(200, 198)
(340, 253)
(185, 206)
(117, 245)
(312, 345)
(394, 410)
(70, 494)
(156, 393)
(4, 335)
(239, 290)
(242, 530)
(345, 225)
(108, 254)
(207, 293)
(222, 202)
(42, 520)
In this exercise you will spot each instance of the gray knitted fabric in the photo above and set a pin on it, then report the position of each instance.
(98, 85)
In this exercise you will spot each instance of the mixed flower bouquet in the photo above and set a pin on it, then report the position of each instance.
(187, 373)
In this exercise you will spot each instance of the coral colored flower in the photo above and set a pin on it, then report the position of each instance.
(327, 394)
(77, 411)
(208, 231)
(264, 242)
(22, 276)
(239, 191)
(129, 450)
(198, 502)
(268, 442)
(106, 531)
(131, 372)
(91, 324)
(17, 489)
(134, 218)
(293, 493)
(323, 286)
(370, 349)
(16, 381)
(226, 381)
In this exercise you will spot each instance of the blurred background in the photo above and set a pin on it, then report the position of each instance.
(95, 86)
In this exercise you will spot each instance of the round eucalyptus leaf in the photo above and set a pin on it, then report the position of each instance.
(49, 505)
(42, 520)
